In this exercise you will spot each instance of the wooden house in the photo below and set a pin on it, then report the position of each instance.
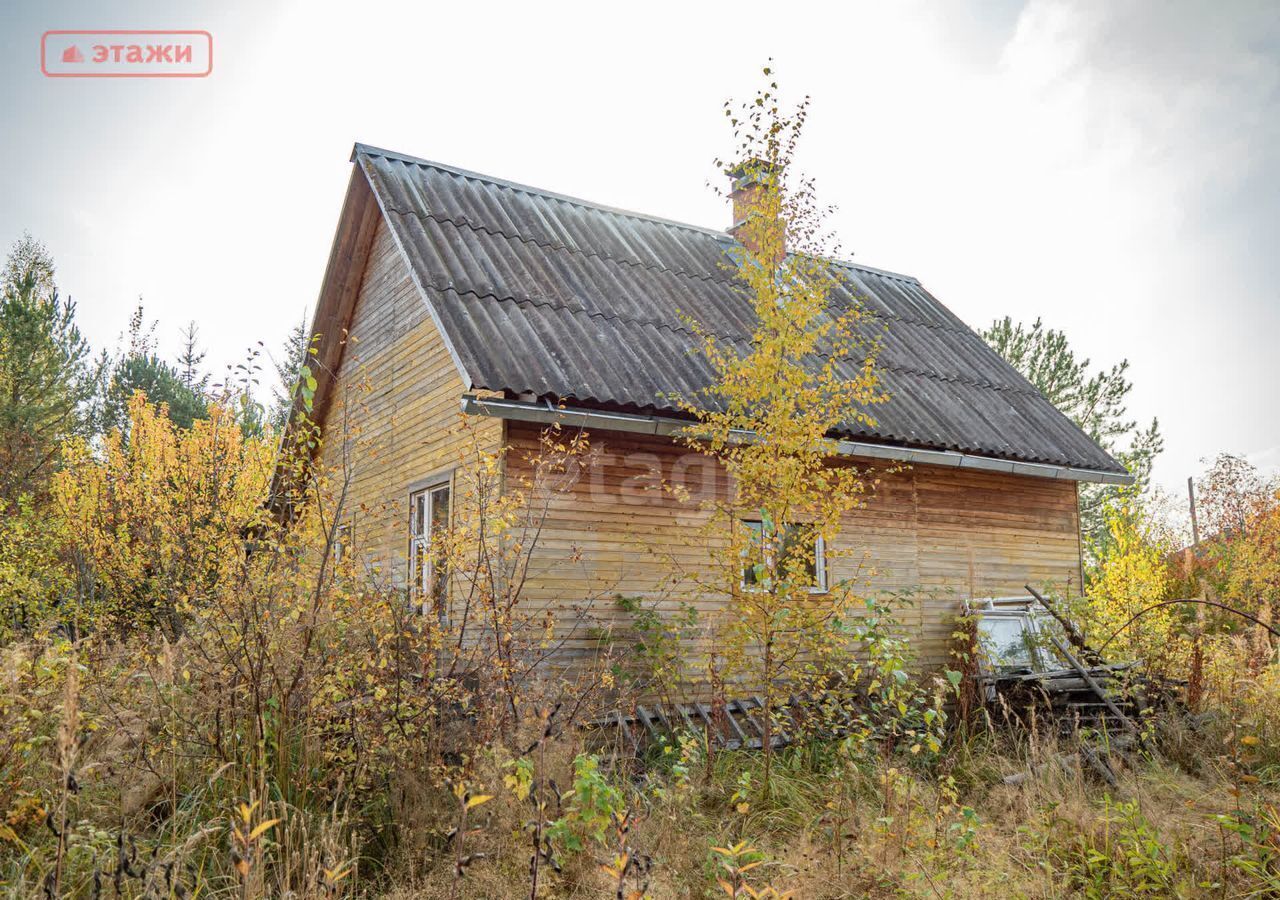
(450, 291)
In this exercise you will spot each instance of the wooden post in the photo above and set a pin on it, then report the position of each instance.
(1195, 678)
(1195, 524)
(1073, 634)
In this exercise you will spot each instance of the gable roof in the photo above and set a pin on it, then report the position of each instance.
(539, 293)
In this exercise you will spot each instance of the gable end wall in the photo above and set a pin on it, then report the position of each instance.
(394, 420)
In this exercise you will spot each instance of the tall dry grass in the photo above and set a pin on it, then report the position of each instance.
(293, 731)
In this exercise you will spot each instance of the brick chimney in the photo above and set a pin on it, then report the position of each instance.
(750, 184)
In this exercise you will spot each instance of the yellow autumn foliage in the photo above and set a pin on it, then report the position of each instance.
(32, 578)
(1249, 562)
(1131, 574)
(152, 518)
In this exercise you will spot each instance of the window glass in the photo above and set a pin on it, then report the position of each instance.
(439, 515)
(1048, 628)
(792, 542)
(1006, 643)
(428, 520)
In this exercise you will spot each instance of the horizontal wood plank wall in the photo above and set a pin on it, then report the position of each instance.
(941, 534)
(396, 417)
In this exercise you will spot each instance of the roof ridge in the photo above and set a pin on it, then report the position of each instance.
(369, 150)
(861, 267)
(531, 189)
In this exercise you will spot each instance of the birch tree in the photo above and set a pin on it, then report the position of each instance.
(769, 416)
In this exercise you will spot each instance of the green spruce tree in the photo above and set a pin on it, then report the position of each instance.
(140, 368)
(288, 368)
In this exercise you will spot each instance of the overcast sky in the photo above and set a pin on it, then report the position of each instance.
(1111, 167)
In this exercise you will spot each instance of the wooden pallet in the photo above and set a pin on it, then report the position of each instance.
(739, 725)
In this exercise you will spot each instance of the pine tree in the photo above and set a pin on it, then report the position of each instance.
(47, 378)
(1095, 401)
(30, 260)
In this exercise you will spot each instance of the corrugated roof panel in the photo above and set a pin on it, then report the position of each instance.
(572, 300)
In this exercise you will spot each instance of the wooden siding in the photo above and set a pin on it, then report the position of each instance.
(942, 534)
(395, 418)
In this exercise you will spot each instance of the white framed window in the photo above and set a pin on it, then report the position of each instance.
(428, 520)
(789, 540)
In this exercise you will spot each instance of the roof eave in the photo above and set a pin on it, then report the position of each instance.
(638, 423)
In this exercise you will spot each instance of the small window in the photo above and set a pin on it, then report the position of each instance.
(793, 541)
(428, 520)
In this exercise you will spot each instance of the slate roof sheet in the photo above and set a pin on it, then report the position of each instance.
(546, 294)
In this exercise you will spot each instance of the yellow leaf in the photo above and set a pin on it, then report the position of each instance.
(1250, 740)
(749, 866)
(743, 808)
(334, 877)
(478, 799)
(728, 888)
(262, 829)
